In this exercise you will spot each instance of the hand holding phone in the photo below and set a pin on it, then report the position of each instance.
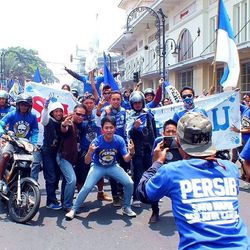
(167, 141)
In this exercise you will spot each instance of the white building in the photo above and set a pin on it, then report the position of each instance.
(191, 24)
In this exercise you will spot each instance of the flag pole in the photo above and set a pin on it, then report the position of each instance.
(213, 88)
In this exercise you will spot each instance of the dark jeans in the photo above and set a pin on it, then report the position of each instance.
(51, 172)
(140, 165)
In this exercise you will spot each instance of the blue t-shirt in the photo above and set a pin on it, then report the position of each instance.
(5, 110)
(24, 126)
(204, 201)
(105, 154)
(245, 121)
(179, 114)
(89, 131)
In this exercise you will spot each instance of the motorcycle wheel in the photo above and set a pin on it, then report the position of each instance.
(29, 205)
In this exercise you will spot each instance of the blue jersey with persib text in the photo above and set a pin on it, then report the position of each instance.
(105, 154)
(204, 201)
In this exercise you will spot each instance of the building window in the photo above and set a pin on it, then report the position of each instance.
(185, 78)
(212, 33)
(186, 47)
(245, 78)
(240, 18)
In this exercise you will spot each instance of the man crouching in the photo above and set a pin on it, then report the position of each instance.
(202, 188)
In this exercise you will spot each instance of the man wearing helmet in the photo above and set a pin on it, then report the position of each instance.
(153, 99)
(4, 105)
(142, 131)
(23, 123)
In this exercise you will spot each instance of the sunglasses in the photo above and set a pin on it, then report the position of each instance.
(187, 96)
(80, 114)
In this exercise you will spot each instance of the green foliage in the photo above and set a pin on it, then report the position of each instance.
(20, 64)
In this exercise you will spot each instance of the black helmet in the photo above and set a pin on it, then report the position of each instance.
(149, 91)
(23, 97)
(137, 96)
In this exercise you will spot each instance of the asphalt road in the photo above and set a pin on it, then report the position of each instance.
(98, 226)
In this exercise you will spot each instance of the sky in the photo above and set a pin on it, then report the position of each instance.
(55, 27)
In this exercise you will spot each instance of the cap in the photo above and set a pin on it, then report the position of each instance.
(195, 134)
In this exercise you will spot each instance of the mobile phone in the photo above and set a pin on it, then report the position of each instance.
(167, 141)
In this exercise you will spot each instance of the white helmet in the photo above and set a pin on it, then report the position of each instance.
(55, 105)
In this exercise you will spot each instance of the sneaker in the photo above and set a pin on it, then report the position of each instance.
(246, 186)
(154, 218)
(128, 211)
(70, 215)
(117, 202)
(101, 196)
(136, 203)
(54, 206)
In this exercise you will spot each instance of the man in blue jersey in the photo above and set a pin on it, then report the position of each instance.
(202, 188)
(90, 129)
(187, 95)
(23, 123)
(102, 153)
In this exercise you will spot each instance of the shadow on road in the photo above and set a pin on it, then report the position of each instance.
(166, 225)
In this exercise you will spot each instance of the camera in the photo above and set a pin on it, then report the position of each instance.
(167, 141)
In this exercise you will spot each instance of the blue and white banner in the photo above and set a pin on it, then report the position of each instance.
(223, 110)
(226, 50)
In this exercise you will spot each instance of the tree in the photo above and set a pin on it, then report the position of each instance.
(20, 64)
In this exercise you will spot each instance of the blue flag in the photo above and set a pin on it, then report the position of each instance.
(226, 50)
(11, 83)
(37, 76)
(108, 77)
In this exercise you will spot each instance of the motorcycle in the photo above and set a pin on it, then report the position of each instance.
(21, 192)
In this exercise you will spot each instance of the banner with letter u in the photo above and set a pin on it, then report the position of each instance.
(223, 110)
